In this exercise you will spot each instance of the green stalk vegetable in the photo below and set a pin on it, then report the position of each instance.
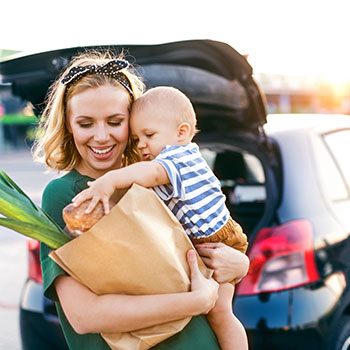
(19, 213)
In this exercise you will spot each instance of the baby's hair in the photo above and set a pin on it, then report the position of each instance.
(54, 145)
(178, 106)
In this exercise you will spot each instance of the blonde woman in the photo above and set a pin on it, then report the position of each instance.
(85, 133)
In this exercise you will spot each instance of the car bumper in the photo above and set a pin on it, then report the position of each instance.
(295, 319)
(39, 324)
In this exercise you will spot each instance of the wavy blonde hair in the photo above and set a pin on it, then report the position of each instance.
(54, 145)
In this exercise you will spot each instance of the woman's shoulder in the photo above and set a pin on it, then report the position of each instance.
(60, 191)
(60, 185)
(72, 181)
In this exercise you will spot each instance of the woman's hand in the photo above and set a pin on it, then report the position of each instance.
(228, 263)
(207, 289)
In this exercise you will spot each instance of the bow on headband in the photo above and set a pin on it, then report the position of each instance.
(111, 69)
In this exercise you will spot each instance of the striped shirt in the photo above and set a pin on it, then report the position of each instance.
(194, 193)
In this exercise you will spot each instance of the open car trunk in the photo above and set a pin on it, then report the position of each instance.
(229, 105)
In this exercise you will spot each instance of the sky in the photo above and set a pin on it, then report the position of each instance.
(299, 37)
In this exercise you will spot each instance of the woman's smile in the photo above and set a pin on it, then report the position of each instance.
(99, 152)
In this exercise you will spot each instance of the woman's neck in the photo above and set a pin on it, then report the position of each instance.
(93, 173)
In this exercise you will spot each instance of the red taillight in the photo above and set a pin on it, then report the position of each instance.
(281, 257)
(34, 267)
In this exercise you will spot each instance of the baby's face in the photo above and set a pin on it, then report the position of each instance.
(152, 130)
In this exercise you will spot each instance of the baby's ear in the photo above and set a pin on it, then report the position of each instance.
(184, 131)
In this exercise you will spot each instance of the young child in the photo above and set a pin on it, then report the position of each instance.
(163, 124)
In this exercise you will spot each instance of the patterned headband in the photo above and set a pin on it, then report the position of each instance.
(110, 69)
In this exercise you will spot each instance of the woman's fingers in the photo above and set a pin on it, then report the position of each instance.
(206, 288)
(192, 262)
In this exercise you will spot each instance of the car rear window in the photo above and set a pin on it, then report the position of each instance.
(335, 172)
(330, 176)
(339, 146)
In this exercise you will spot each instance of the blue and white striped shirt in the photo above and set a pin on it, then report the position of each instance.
(194, 193)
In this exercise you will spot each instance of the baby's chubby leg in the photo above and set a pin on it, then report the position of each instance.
(227, 328)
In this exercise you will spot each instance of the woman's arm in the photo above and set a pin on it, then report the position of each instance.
(90, 313)
(228, 263)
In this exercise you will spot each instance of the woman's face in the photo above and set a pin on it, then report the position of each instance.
(98, 119)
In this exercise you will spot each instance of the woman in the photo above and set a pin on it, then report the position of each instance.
(85, 131)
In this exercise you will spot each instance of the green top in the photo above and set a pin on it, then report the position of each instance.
(57, 194)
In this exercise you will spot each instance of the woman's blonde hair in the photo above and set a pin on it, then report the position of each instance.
(54, 145)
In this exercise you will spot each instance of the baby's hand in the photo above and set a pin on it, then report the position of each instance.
(98, 191)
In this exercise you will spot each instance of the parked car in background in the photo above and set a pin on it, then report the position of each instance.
(296, 294)
(286, 180)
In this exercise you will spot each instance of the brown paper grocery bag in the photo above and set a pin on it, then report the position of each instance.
(139, 248)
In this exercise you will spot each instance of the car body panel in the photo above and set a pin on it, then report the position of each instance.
(29, 297)
(39, 324)
(285, 319)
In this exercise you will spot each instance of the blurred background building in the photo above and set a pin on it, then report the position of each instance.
(17, 121)
(304, 94)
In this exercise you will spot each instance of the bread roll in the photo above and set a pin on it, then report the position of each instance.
(78, 221)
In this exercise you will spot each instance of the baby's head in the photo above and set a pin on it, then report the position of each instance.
(162, 116)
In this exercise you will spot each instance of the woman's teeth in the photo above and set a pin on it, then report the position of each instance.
(101, 151)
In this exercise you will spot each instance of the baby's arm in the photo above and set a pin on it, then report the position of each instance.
(147, 174)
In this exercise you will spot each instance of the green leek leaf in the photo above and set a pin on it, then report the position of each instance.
(53, 239)
(22, 215)
(7, 180)
(13, 205)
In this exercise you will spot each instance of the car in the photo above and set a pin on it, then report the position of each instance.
(286, 181)
(296, 294)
